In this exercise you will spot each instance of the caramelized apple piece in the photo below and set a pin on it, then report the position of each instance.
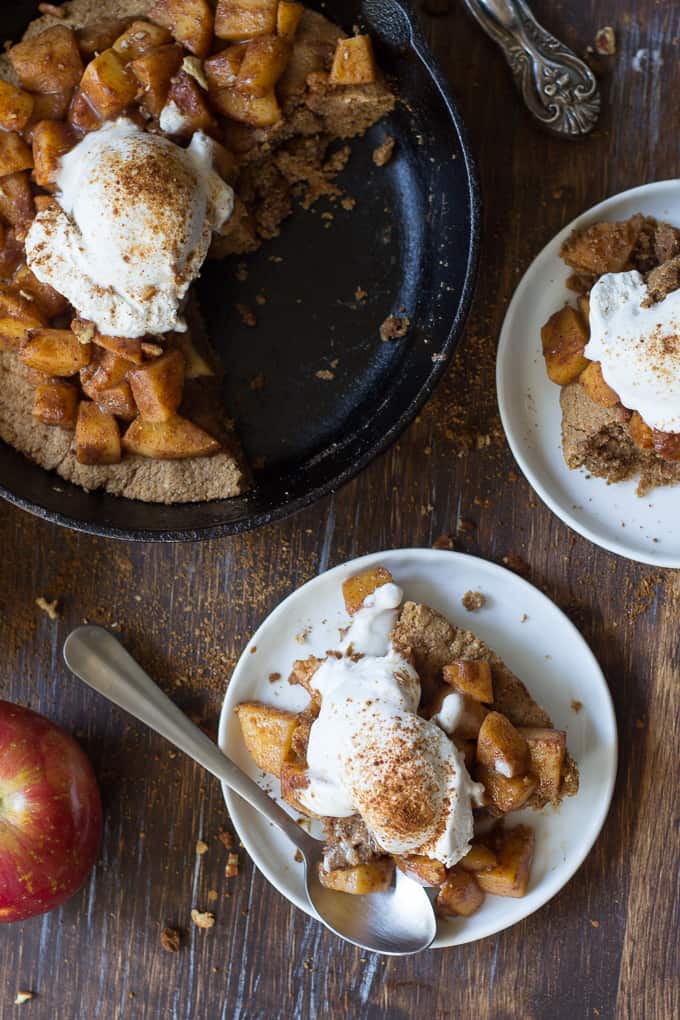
(353, 62)
(460, 895)
(594, 384)
(264, 61)
(294, 779)
(49, 62)
(602, 248)
(48, 300)
(268, 734)
(108, 84)
(502, 747)
(82, 114)
(124, 346)
(564, 337)
(288, 16)
(169, 440)
(221, 70)
(104, 369)
(258, 111)
(666, 445)
(422, 869)
(468, 716)
(11, 250)
(154, 72)
(100, 34)
(15, 154)
(50, 106)
(193, 112)
(505, 795)
(245, 19)
(640, 432)
(158, 385)
(471, 677)
(139, 38)
(51, 140)
(17, 316)
(190, 21)
(510, 876)
(54, 351)
(360, 879)
(357, 588)
(16, 107)
(478, 858)
(546, 758)
(56, 403)
(17, 205)
(97, 439)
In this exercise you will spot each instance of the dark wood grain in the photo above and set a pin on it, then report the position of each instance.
(607, 944)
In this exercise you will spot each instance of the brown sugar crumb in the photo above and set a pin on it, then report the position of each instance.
(360, 294)
(22, 997)
(576, 706)
(595, 924)
(348, 203)
(213, 895)
(201, 847)
(443, 542)
(325, 374)
(202, 918)
(473, 601)
(226, 839)
(298, 857)
(171, 939)
(382, 154)
(274, 677)
(51, 608)
(248, 317)
(231, 869)
(513, 562)
(605, 41)
(258, 382)
(394, 327)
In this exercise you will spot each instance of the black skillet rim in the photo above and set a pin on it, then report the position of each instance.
(381, 444)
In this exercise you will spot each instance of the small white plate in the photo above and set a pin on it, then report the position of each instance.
(533, 637)
(612, 516)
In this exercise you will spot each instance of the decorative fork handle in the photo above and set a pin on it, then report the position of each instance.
(559, 89)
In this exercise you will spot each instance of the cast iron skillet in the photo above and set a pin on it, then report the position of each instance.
(410, 243)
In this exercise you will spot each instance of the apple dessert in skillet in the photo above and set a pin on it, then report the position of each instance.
(137, 139)
(417, 745)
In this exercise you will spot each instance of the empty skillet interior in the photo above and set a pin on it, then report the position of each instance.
(320, 292)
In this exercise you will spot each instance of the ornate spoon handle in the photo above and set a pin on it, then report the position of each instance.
(558, 88)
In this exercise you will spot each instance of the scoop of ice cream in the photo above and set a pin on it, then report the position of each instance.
(131, 229)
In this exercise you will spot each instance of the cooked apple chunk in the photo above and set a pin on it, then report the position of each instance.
(51, 140)
(221, 70)
(50, 106)
(504, 795)
(17, 315)
(471, 677)
(294, 778)
(353, 62)
(478, 858)
(258, 111)
(157, 386)
(361, 879)
(16, 107)
(54, 351)
(139, 38)
(48, 300)
(56, 403)
(666, 445)
(190, 21)
(502, 747)
(546, 758)
(49, 62)
(82, 114)
(640, 432)
(268, 733)
(264, 61)
(288, 17)
(515, 852)
(564, 337)
(11, 249)
(154, 71)
(468, 713)
(15, 155)
(100, 34)
(17, 204)
(169, 440)
(357, 588)
(244, 19)
(108, 84)
(460, 895)
(97, 439)
(192, 106)
(594, 384)
(422, 869)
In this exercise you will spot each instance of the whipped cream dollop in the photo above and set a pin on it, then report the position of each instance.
(370, 753)
(132, 227)
(638, 347)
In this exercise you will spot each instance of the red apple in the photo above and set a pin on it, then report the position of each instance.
(50, 814)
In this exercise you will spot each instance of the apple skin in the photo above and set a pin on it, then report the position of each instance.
(50, 814)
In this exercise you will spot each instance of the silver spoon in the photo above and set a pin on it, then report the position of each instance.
(397, 923)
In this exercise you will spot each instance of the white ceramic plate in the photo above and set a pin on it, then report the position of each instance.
(544, 649)
(643, 529)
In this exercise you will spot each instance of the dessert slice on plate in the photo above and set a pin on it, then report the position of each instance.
(416, 745)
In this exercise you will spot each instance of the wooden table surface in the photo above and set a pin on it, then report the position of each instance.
(607, 944)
